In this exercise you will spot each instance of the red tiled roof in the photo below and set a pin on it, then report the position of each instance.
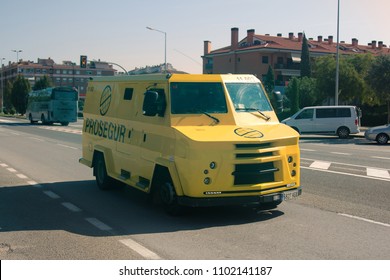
(294, 44)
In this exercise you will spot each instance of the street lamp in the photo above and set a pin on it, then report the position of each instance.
(336, 94)
(165, 51)
(17, 55)
(2, 85)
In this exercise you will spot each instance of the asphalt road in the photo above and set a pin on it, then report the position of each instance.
(51, 208)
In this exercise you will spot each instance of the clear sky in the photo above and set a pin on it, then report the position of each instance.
(115, 30)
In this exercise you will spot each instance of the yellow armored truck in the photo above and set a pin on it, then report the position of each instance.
(190, 140)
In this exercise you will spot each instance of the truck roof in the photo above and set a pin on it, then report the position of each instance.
(165, 77)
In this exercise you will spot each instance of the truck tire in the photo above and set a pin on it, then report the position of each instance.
(103, 181)
(168, 199)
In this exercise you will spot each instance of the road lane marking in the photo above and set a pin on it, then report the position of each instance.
(363, 219)
(143, 251)
(320, 165)
(11, 170)
(34, 184)
(71, 207)
(348, 174)
(100, 225)
(21, 176)
(387, 158)
(338, 153)
(373, 172)
(308, 150)
(3, 165)
(51, 194)
(66, 146)
(37, 139)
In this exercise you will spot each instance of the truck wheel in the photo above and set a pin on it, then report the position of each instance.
(168, 199)
(103, 181)
(343, 132)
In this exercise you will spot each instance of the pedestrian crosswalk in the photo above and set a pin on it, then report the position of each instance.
(346, 169)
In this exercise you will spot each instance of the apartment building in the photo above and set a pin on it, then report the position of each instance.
(66, 74)
(255, 53)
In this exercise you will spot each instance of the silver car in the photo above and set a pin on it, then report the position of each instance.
(380, 134)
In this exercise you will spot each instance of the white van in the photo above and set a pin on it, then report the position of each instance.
(339, 120)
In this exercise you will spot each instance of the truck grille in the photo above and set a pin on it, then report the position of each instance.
(249, 170)
(257, 173)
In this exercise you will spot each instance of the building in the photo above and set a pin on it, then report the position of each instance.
(255, 53)
(66, 74)
(154, 70)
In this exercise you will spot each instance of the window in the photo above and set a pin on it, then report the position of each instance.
(333, 113)
(248, 97)
(264, 59)
(305, 114)
(128, 94)
(197, 98)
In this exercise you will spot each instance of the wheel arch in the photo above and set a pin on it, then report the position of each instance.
(107, 156)
(165, 171)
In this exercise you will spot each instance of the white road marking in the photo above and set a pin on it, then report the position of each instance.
(373, 172)
(34, 184)
(71, 207)
(320, 165)
(66, 146)
(143, 251)
(11, 170)
(21, 176)
(51, 194)
(338, 153)
(348, 174)
(387, 158)
(37, 139)
(308, 150)
(363, 219)
(3, 165)
(100, 225)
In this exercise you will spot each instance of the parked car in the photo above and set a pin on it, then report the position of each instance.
(339, 120)
(380, 134)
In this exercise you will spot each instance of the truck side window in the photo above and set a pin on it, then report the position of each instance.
(128, 94)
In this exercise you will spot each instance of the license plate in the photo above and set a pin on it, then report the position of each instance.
(291, 194)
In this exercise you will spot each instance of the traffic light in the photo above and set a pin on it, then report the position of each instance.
(83, 61)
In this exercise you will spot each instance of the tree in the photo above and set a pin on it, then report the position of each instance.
(269, 81)
(308, 92)
(8, 97)
(20, 90)
(379, 80)
(293, 95)
(305, 59)
(43, 83)
(351, 84)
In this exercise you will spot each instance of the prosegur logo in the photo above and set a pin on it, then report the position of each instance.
(105, 100)
(248, 132)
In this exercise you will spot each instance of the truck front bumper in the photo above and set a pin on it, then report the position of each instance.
(240, 200)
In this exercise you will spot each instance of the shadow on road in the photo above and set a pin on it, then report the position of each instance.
(127, 211)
